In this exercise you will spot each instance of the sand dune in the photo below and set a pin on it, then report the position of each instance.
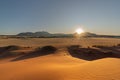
(53, 67)
(60, 65)
(37, 68)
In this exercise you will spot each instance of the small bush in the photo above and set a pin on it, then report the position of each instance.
(48, 49)
(74, 46)
(98, 46)
(11, 47)
(118, 44)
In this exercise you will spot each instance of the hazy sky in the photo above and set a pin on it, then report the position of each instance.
(60, 16)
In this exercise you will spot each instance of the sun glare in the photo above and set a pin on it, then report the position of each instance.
(79, 31)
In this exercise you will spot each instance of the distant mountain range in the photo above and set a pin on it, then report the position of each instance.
(47, 34)
(44, 34)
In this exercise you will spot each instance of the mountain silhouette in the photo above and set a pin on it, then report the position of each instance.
(47, 34)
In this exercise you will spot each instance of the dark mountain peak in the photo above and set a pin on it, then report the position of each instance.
(42, 32)
(86, 34)
(25, 33)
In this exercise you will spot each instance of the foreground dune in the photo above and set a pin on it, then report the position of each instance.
(59, 67)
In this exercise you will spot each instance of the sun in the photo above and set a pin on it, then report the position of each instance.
(79, 31)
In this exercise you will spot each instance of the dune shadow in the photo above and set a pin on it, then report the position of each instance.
(90, 53)
(38, 52)
(6, 51)
(115, 49)
(98, 52)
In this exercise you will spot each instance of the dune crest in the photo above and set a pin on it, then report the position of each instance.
(60, 61)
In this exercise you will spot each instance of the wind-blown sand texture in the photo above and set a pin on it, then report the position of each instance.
(25, 62)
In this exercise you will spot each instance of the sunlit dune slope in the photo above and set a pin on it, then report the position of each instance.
(44, 67)
(60, 67)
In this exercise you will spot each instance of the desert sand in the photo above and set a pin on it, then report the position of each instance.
(59, 42)
(59, 65)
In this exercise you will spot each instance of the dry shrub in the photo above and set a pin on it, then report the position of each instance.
(118, 44)
(99, 46)
(12, 47)
(48, 49)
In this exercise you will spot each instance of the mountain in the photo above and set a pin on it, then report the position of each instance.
(36, 34)
(43, 34)
(88, 34)
(47, 34)
(25, 34)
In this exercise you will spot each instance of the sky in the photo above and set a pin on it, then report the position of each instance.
(60, 16)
